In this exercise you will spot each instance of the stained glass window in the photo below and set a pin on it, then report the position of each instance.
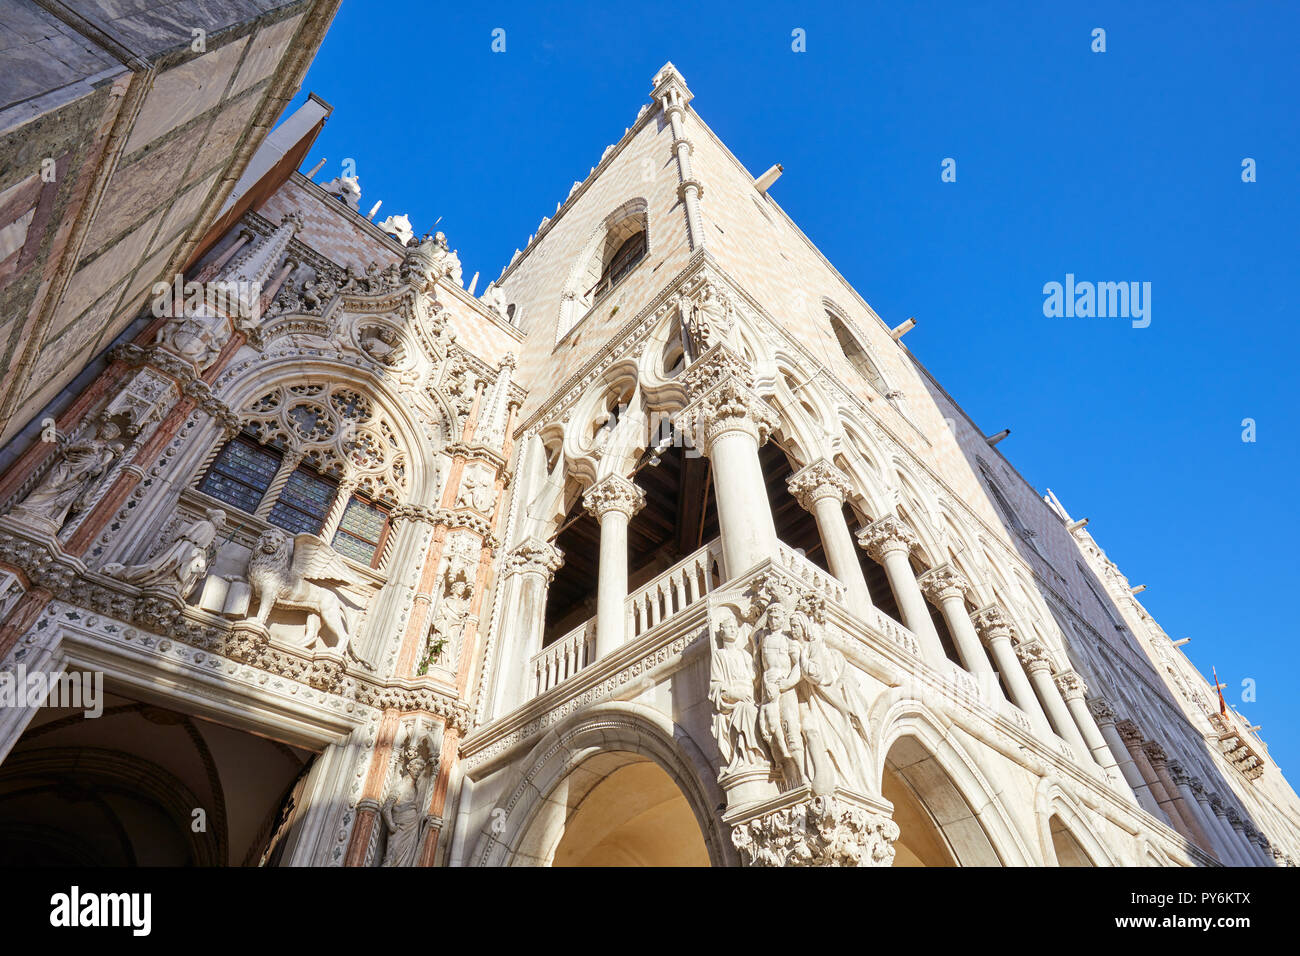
(241, 474)
(361, 531)
(304, 503)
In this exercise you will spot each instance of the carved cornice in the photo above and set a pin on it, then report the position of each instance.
(821, 479)
(613, 493)
(887, 534)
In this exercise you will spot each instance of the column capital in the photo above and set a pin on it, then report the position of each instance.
(1071, 685)
(1179, 774)
(1198, 789)
(1033, 655)
(992, 623)
(535, 556)
(723, 401)
(821, 479)
(886, 534)
(944, 582)
(613, 493)
(1155, 753)
(1129, 733)
(1102, 711)
(1216, 804)
(1234, 818)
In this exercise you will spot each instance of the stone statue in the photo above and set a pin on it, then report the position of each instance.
(495, 299)
(70, 484)
(403, 810)
(831, 710)
(179, 567)
(731, 689)
(475, 492)
(445, 262)
(778, 715)
(709, 320)
(449, 620)
(304, 573)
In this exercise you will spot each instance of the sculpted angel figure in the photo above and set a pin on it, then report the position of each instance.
(731, 689)
(832, 708)
(179, 567)
(306, 574)
(71, 482)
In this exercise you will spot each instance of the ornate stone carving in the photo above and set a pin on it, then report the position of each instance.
(180, 566)
(382, 344)
(1155, 753)
(399, 227)
(614, 493)
(992, 623)
(886, 534)
(1102, 711)
(709, 319)
(823, 831)
(71, 483)
(944, 582)
(1179, 774)
(1071, 685)
(535, 556)
(821, 479)
(1033, 655)
(304, 573)
(195, 338)
(450, 617)
(1129, 733)
(415, 759)
(732, 679)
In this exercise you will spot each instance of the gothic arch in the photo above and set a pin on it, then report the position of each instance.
(574, 303)
(528, 831)
(1061, 821)
(964, 797)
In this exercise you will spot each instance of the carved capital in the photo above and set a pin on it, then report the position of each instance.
(821, 831)
(885, 535)
(1129, 733)
(614, 493)
(1216, 804)
(1071, 685)
(535, 556)
(727, 407)
(1033, 655)
(1102, 711)
(1179, 774)
(943, 583)
(992, 624)
(819, 480)
(1155, 753)
(1198, 788)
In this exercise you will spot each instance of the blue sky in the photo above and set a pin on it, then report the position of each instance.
(1115, 166)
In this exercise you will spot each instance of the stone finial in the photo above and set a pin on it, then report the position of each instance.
(821, 479)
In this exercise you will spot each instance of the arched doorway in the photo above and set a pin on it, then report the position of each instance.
(635, 816)
(937, 827)
(1069, 852)
(615, 809)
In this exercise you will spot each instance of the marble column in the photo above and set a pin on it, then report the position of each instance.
(1033, 655)
(1212, 823)
(1256, 842)
(1158, 760)
(821, 488)
(1243, 841)
(1232, 840)
(1105, 716)
(1191, 810)
(947, 587)
(612, 501)
(995, 629)
(1175, 780)
(1074, 691)
(531, 568)
(1151, 788)
(728, 422)
(889, 542)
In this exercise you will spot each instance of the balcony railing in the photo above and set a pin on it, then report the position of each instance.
(814, 577)
(676, 589)
(672, 591)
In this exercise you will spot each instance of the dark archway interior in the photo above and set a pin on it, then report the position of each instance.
(679, 518)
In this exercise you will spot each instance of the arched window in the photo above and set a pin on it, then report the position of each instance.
(856, 353)
(624, 260)
(614, 250)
